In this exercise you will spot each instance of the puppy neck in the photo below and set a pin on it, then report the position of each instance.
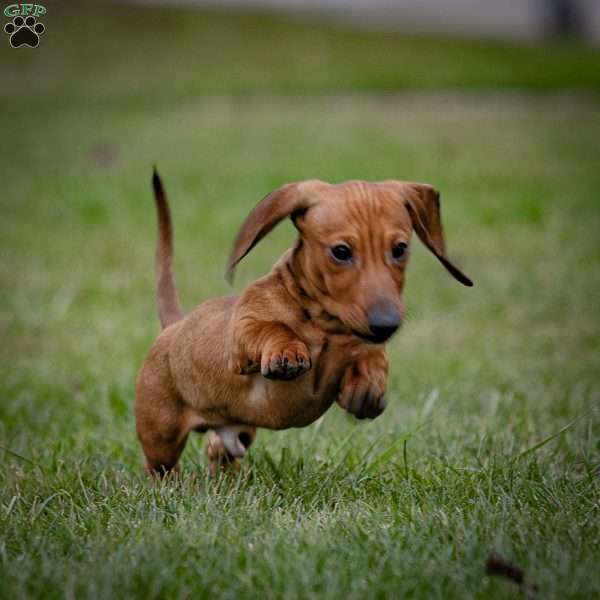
(292, 274)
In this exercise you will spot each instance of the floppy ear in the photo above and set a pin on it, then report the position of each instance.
(423, 204)
(290, 200)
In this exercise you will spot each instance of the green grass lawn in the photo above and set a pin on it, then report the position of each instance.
(229, 107)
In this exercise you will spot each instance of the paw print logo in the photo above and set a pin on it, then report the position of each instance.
(24, 32)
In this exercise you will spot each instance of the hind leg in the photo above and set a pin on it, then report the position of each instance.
(227, 445)
(162, 455)
(163, 442)
(162, 422)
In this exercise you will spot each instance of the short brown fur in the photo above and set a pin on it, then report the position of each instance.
(295, 340)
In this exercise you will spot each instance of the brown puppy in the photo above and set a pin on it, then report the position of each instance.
(307, 334)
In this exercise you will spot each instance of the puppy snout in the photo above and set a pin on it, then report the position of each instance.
(383, 321)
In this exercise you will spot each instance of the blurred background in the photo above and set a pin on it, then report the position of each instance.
(505, 19)
(496, 103)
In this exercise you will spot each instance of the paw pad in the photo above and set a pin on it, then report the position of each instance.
(285, 366)
(24, 32)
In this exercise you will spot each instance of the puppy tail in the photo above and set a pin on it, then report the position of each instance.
(169, 309)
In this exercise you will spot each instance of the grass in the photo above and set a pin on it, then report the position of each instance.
(490, 441)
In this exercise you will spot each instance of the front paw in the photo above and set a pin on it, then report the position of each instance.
(285, 363)
(362, 400)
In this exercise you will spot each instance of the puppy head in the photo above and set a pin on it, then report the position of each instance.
(354, 245)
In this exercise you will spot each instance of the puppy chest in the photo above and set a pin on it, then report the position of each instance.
(284, 404)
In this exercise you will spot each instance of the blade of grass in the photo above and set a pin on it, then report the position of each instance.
(393, 449)
(17, 455)
(551, 437)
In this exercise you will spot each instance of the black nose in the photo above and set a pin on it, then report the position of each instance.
(383, 322)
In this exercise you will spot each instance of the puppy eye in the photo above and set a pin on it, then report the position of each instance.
(399, 251)
(341, 253)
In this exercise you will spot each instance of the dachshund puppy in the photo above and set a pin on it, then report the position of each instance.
(310, 332)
